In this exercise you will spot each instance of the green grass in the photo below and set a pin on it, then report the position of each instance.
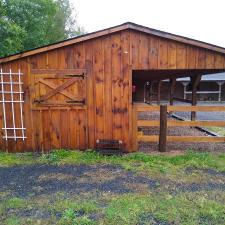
(181, 209)
(131, 209)
(218, 130)
(164, 205)
(142, 161)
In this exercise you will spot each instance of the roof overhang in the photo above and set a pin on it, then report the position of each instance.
(156, 75)
(125, 26)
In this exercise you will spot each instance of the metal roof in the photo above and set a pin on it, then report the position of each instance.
(210, 77)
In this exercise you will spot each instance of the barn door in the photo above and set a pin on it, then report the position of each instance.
(59, 105)
(59, 89)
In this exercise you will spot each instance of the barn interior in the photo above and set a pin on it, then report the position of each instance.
(156, 86)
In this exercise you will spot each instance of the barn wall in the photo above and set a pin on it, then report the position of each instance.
(108, 80)
(151, 52)
(19, 145)
(109, 61)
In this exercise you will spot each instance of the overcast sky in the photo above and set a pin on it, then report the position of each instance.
(198, 19)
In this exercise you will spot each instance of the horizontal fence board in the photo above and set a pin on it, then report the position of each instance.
(148, 123)
(174, 123)
(180, 108)
(147, 108)
(155, 138)
(198, 108)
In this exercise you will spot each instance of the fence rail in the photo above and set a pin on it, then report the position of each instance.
(178, 123)
(163, 123)
(180, 108)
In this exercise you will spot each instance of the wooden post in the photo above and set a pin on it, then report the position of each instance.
(163, 128)
(145, 92)
(220, 90)
(172, 88)
(150, 93)
(159, 92)
(134, 129)
(195, 82)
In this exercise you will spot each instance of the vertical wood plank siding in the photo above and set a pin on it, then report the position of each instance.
(109, 61)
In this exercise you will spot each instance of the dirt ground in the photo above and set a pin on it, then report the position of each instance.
(37, 180)
(45, 182)
(86, 188)
(176, 131)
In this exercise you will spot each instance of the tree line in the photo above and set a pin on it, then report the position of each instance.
(28, 24)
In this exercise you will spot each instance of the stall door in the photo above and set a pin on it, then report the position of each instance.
(59, 109)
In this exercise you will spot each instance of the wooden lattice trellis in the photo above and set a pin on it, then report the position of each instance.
(12, 96)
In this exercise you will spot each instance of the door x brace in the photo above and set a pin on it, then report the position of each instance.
(57, 89)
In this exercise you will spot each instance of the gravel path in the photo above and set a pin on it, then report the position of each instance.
(219, 116)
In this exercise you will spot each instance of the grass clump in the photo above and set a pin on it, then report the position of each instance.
(70, 217)
(13, 203)
(187, 209)
(72, 157)
(13, 221)
(10, 159)
(78, 206)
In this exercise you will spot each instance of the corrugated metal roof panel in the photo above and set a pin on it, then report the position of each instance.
(211, 77)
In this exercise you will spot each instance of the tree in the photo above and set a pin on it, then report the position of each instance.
(64, 19)
(34, 23)
(11, 34)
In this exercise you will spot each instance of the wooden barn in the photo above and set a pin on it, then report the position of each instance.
(72, 93)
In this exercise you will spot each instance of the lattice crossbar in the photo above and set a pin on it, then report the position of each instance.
(9, 99)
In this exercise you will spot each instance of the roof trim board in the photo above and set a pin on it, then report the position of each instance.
(111, 30)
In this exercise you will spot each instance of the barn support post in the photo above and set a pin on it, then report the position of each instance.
(163, 128)
(195, 82)
(150, 92)
(172, 88)
(220, 90)
(145, 90)
(159, 92)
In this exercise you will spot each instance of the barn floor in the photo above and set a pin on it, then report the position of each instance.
(85, 188)
(176, 131)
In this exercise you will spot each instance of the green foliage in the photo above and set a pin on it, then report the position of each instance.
(11, 34)
(28, 24)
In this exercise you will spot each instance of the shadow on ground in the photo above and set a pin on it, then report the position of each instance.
(23, 181)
